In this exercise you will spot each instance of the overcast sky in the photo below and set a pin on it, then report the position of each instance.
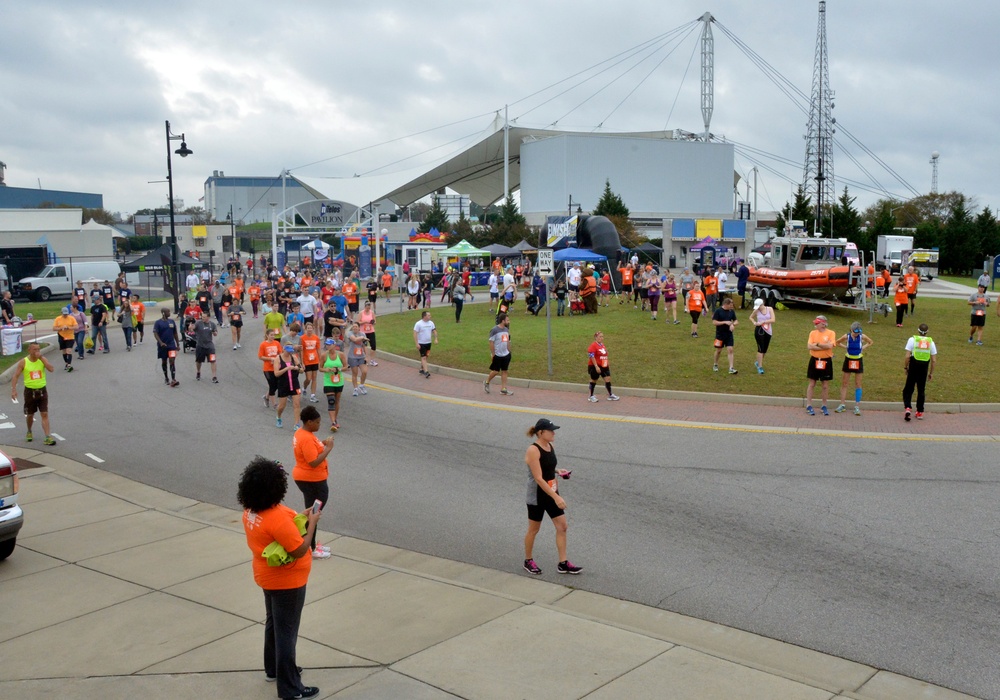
(333, 89)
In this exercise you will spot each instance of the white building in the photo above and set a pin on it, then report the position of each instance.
(251, 197)
(60, 230)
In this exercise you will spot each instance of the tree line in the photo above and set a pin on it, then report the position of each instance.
(946, 221)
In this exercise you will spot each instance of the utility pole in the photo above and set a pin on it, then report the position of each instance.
(707, 73)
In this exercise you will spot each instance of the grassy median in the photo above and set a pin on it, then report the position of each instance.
(652, 354)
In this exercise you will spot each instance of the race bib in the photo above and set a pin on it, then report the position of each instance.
(603, 362)
(718, 343)
(854, 364)
(236, 317)
(980, 312)
(34, 374)
(171, 353)
(211, 357)
(553, 485)
(820, 364)
(359, 351)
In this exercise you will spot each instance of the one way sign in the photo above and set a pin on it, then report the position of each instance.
(545, 261)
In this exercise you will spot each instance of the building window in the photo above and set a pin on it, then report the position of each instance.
(199, 242)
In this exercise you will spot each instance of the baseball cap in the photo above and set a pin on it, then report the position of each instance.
(65, 309)
(757, 303)
(545, 424)
(328, 341)
(820, 319)
(289, 348)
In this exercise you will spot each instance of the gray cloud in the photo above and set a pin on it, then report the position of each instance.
(258, 87)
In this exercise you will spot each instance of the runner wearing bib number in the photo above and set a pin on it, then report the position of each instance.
(856, 343)
(357, 345)
(310, 359)
(236, 314)
(598, 366)
(367, 320)
(165, 332)
(333, 380)
(821, 344)
(979, 302)
(36, 396)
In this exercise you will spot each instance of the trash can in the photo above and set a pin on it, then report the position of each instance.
(673, 261)
(11, 340)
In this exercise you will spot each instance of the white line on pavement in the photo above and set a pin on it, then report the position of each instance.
(6, 426)
(95, 458)
(57, 436)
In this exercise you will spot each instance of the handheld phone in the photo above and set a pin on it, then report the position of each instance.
(565, 473)
(317, 506)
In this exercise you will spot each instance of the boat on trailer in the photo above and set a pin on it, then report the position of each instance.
(811, 271)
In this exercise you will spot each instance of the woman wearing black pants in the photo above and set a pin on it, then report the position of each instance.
(458, 299)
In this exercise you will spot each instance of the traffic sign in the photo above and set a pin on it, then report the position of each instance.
(545, 261)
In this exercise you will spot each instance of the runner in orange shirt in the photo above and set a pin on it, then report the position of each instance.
(65, 328)
(266, 353)
(912, 281)
(310, 359)
(695, 304)
(627, 274)
(387, 285)
(139, 315)
(900, 299)
(254, 291)
(821, 343)
(351, 292)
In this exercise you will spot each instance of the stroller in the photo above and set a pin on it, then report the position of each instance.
(190, 316)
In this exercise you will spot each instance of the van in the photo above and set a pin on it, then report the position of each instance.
(58, 280)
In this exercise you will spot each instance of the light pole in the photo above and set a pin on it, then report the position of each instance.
(232, 230)
(183, 152)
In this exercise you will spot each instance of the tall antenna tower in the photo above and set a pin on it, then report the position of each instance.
(707, 73)
(817, 177)
(934, 165)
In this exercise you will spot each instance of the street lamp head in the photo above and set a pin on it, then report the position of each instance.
(183, 151)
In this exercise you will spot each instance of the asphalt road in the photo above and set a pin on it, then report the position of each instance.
(879, 551)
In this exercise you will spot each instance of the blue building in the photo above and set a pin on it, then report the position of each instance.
(30, 198)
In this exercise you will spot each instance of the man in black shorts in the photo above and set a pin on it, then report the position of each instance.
(165, 333)
(204, 349)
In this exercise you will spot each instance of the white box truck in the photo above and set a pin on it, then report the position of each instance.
(889, 252)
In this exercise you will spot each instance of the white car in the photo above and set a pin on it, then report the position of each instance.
(11, 517)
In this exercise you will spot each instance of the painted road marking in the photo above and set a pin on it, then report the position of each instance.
(768, 430)
(57, 436)
(6, 426)
(95, 458)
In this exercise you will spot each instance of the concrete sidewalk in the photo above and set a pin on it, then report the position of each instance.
(117, 589)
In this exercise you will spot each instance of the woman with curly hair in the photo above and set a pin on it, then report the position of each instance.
(282, 575)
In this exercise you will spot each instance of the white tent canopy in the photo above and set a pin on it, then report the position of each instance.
(313, 245)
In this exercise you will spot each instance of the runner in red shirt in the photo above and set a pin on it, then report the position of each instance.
(598, 366)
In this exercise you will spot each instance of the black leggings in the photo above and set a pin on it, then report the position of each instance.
(313, 491)
(900, 308)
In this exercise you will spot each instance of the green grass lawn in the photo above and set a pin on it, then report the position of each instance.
(655, 355)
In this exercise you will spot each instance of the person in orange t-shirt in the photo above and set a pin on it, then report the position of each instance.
(254, 291)
(310, 359)
(139, 312)
(821, 343)
(912, 280)
(695, 305)
(266, 353)
(262, 486)
(901, 299)
(311, 470)
(627, 274)
(386, 284)
(351, 292)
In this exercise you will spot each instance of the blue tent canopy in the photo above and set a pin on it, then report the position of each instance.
(578, 255)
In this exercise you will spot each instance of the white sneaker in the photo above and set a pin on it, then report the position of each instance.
(363, 390)
(612, 397)
(592, 399)
(321, 554)
(312, 398)
(355, 393)
(235, 346)
(322, 548)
